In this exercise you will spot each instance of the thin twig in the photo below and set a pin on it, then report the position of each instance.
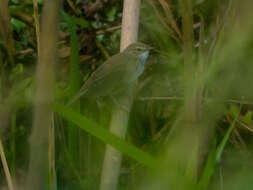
(26, 18)
(168, 12)
(72, 6)
(37, 28)
(6, 168)
(243, 102)
(246, 126)
(111, 29)
(102, 49)
(170, 31)
(160, 98)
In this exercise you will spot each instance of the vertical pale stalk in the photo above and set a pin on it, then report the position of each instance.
(190, 131)
(38, 165)
(6, 168)
(118, 125)
(130, 23)
(189, 68)
(183, 145)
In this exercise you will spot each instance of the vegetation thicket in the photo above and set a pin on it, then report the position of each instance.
(185, 124)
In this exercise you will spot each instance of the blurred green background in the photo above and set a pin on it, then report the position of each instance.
(210, 151)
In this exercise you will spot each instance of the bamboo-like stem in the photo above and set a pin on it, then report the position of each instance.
(189, 132)
(38, 165)
(130, 23)
(6, 168)
(183, 145)
(189, 68)
(118, 125)
(37, 26)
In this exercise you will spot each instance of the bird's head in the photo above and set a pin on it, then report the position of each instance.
(138, 49)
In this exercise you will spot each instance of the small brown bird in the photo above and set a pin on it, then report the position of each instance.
(117, 73)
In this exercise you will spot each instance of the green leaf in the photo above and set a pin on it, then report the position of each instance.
(17, 24)
(215, 154)
(208, 169)
(75, 75)
(228, 133)
(74, 84)
(104, 135)
(248, 118)
(197, 2)
(81, 22)
(233, 110)
(100, 37)
(16, 71)
(20, 86)
(111, 14)
(40, 1)
(15, 1)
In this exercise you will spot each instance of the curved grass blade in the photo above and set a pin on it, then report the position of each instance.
(214, 156)
(104, 135)
(74, 85)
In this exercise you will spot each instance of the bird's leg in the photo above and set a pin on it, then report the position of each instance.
(122, 106)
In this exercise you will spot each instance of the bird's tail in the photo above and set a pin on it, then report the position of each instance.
(76, 97)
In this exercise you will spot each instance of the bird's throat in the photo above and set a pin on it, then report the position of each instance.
(144, 56)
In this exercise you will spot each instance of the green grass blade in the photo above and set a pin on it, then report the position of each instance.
(224, 141)
(74, 86)
(214, 156)
(75, 76)
(104, 135)
(208, 169)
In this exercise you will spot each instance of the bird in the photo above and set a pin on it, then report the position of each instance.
(115, 74)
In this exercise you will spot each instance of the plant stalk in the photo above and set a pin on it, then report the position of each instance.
(6, 168)
(119, 120)
(38, 165)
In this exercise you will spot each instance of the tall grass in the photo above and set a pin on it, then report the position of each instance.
(190, 125)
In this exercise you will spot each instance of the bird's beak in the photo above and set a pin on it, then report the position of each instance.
(149, 48)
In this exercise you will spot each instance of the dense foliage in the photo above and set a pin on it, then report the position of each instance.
(212, 152)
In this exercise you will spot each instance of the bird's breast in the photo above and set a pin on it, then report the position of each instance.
(144, 56)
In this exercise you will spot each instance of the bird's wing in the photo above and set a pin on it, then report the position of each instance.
(117, 64)
(116, 67)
